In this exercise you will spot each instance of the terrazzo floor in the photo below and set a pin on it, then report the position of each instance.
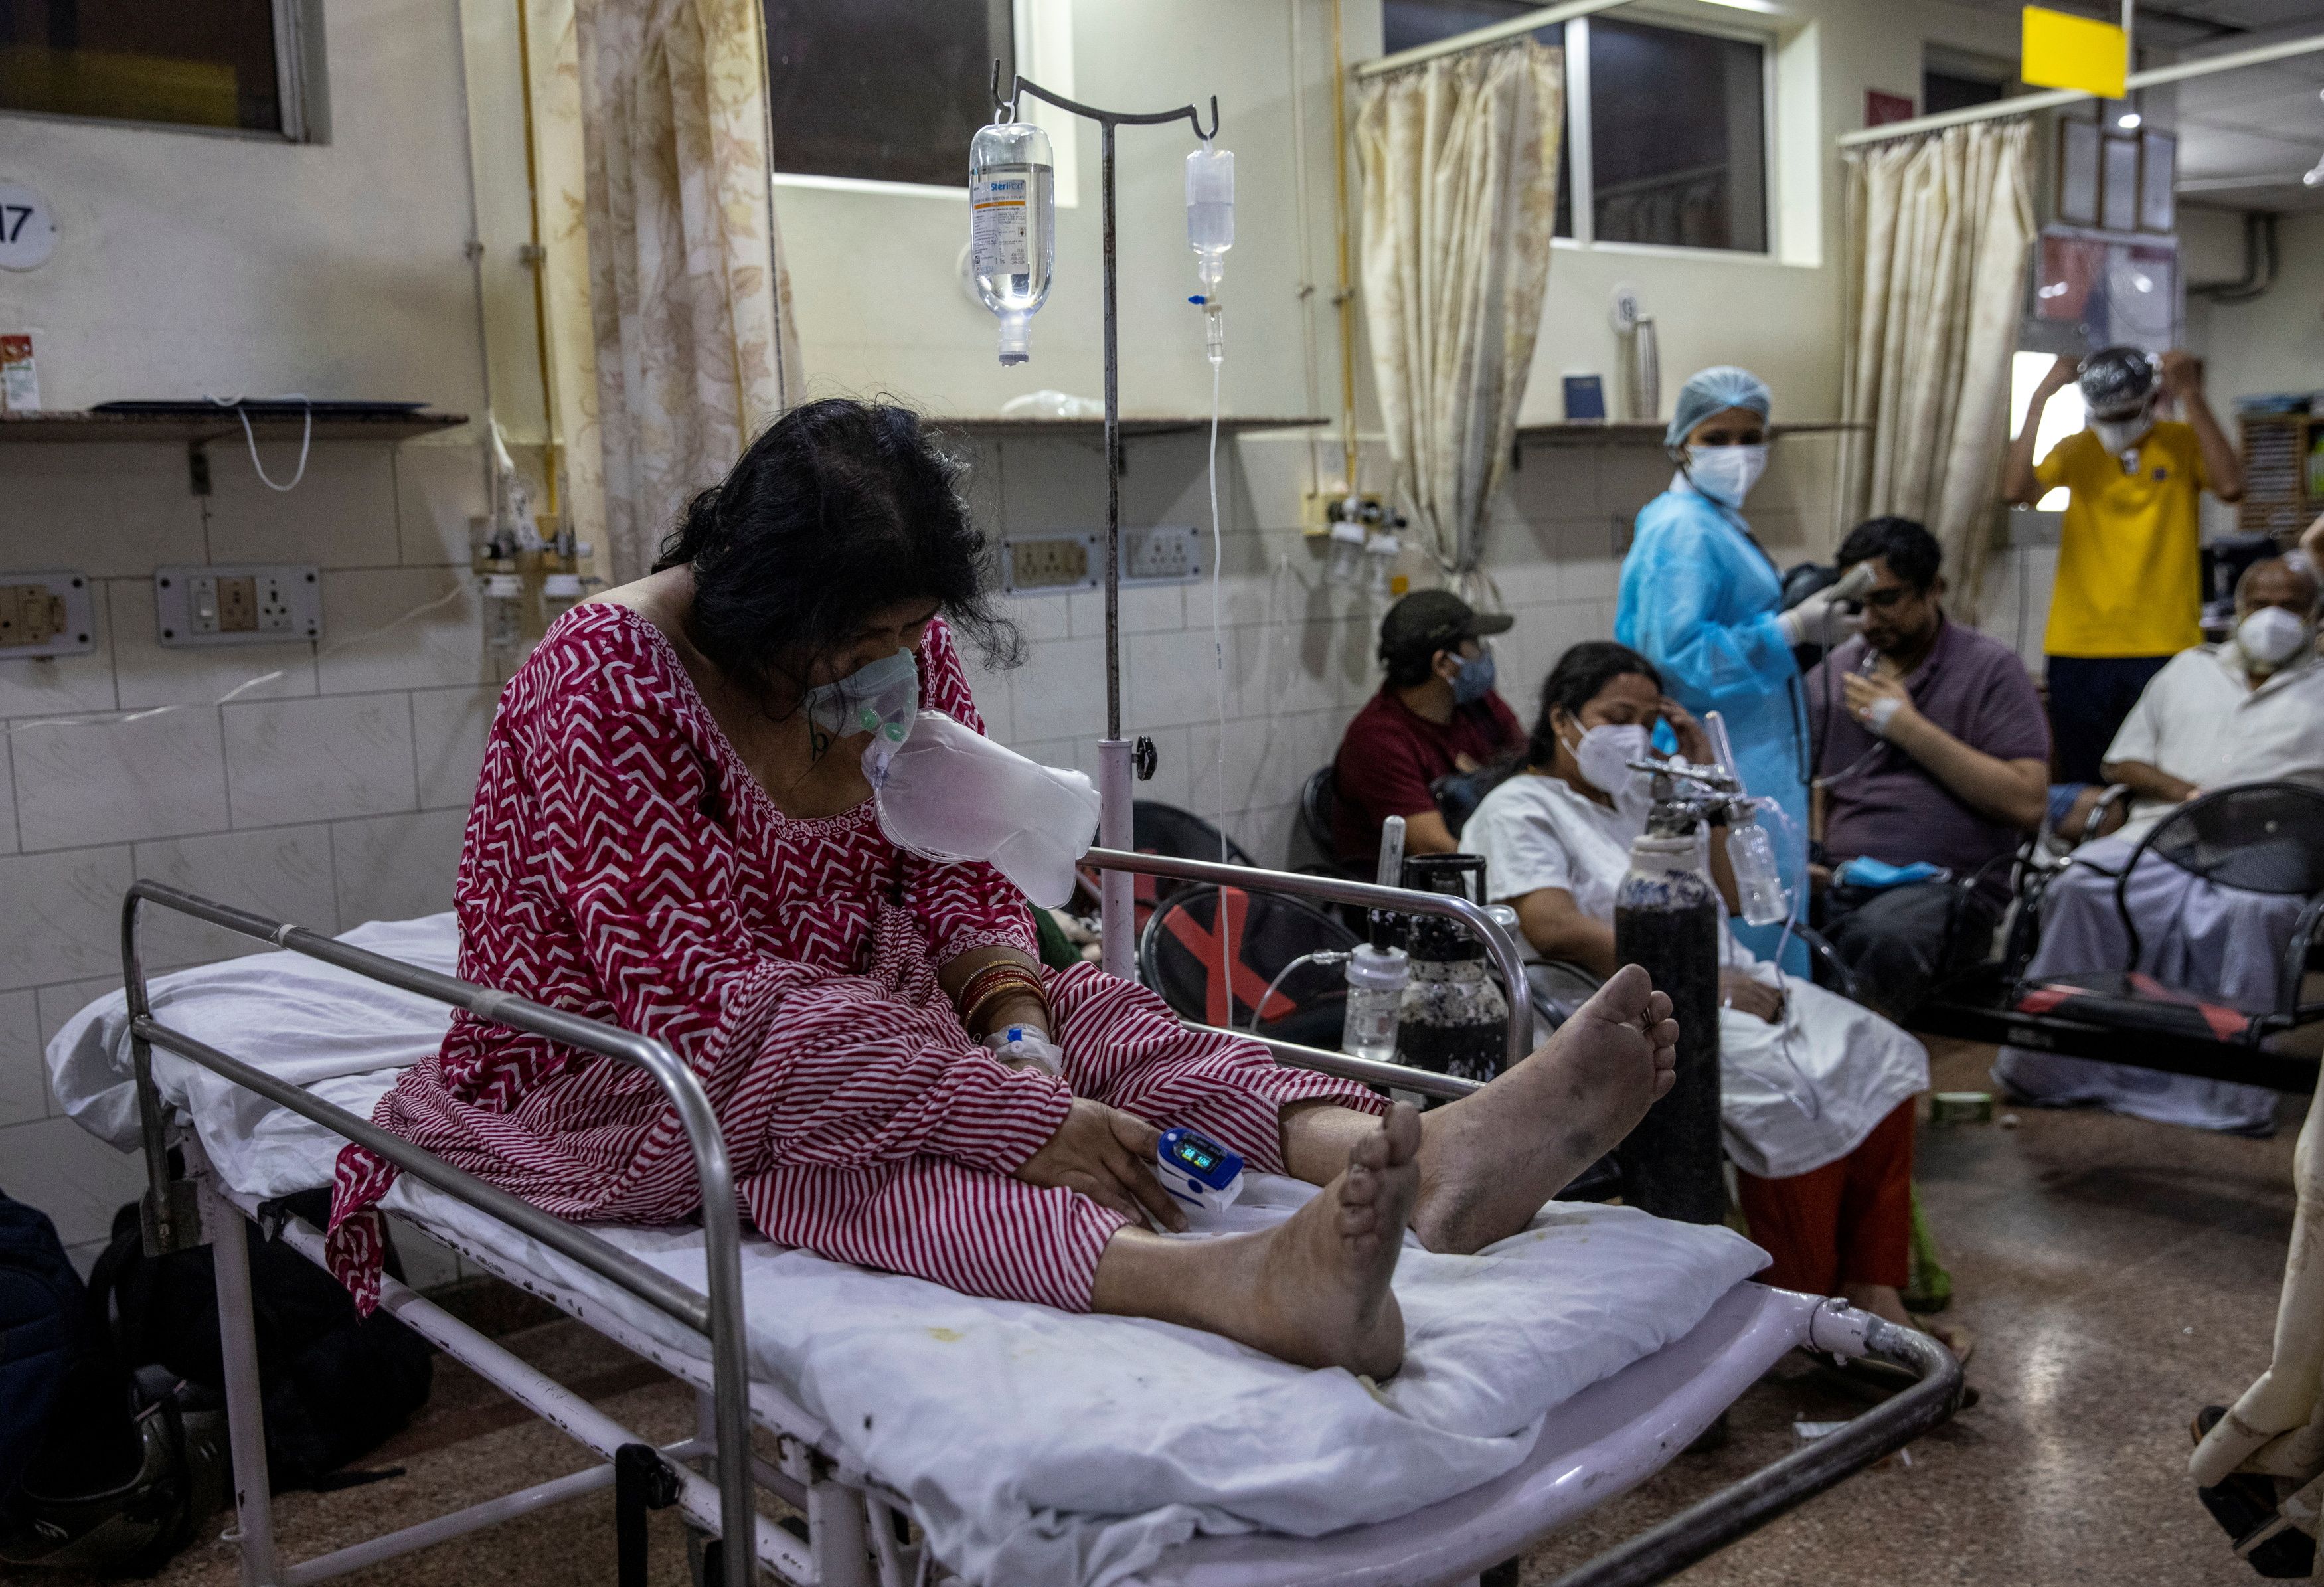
(2119, 1275)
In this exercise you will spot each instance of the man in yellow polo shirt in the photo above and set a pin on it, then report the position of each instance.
(2128, 594)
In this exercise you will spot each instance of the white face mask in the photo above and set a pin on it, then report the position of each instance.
(2117, 436)
(1726, 474)
(1605, 754)
(2272, 636)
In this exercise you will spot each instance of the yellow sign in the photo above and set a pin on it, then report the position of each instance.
(2064, 51)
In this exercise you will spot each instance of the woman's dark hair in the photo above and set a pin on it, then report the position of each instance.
(1581, 675)
(1910, 551)
(838, 510)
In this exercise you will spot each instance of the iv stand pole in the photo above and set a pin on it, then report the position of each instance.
(1117, 918)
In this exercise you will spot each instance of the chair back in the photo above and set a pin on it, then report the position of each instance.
(1156, 828)
(1319, 811)
(2261, 838)
(1180, 957)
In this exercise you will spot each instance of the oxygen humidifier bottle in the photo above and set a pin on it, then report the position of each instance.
(1377, 978)
(1666, 918)
(1012, 209)
(1758, 885)
(1454, 1020)
(1210, 232)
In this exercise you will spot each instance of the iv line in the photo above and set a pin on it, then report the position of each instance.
(1219, 661)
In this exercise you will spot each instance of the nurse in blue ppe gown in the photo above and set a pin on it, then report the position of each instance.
(1698, 599)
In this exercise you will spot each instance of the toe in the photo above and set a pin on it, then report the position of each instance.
(1624, 998)
(1359, 1185)
(1371, 1150)
(1401, 1132)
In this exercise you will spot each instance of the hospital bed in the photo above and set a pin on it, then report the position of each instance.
(677, 1298)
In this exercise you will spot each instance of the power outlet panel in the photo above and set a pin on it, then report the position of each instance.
(267, 603)
(44, 614)
(1074, 559)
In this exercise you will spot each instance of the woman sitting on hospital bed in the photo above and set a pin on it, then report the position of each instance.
(673, 832)
(1816, 1092)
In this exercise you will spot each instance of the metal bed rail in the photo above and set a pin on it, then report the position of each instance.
(1507, 957)
(172, 1218)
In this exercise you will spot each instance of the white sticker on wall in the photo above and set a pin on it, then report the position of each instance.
(28, 227)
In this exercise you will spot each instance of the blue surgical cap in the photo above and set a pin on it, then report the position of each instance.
(1707, 390)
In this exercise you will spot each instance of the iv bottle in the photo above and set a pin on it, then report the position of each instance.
(1013, 207)
(1210, 232)
(1758, 885)
(1377, 978)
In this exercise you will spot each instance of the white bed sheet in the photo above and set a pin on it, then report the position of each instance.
(1036, 1446)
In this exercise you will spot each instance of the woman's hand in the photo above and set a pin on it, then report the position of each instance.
(1693, 742)
(1108, 1155)
(1739, 989)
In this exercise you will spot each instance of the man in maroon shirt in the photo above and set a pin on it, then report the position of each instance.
(1933, 748)
(1436, 714)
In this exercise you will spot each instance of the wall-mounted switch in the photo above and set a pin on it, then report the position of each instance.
(44, 614)
(247, 605)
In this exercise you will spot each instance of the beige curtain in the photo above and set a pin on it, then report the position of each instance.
(1939, 231)
(1459, 159)
(695, 347)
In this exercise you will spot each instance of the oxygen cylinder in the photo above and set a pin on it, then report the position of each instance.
(1666, 919)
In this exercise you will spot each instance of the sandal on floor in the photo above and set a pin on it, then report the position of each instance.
(1956, 1337)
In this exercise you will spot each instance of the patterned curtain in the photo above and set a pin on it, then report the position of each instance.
(1940, 227)
(696, 348)
(1460, 195)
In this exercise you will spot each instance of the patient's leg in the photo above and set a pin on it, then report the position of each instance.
(1313, 1290)
(1489, 1161)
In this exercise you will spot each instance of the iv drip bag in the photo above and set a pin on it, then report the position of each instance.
(1210, 210)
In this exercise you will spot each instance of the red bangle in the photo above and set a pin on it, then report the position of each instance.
(995, 982)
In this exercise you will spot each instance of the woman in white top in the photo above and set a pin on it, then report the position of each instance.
(1816, 1092)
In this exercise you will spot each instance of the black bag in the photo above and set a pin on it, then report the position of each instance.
(335, 1385)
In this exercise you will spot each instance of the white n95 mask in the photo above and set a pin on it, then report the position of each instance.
(1726, 474)
(1605, 755)
(2272, 636)
(2117, 436)
(954, 795)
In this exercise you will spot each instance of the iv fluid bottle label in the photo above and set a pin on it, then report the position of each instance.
(997, 202)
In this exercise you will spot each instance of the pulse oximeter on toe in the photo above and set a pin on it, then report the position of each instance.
(1198, 1170)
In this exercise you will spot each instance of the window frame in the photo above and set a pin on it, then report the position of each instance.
(301, 88)
(1582, 199)
(1042, 34)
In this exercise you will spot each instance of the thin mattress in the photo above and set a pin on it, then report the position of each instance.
(1034, 1445)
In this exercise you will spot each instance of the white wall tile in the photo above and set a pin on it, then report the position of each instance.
(282, 872)
(447, 737)
(63, 918)
(438, 487)
(1268, 760)
(295, 760)
(1060, 691)
(151, 675)
(1165, 480)
(1039, 617)
(23, 1084)
(995, 691)
(1143, 609)
(1628, 477)
(407, 627)
(71, 1175)
(1589, 569)
(119, 508)
(341, 513)
(61, 685)
(119, 780)
(396, 867)
(1170, 679)
(1274, 470)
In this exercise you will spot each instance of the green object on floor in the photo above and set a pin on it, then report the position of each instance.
(1057, 950)
(1931, 1288)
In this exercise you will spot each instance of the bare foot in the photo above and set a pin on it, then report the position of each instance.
(1489, 1161)
(1313, 1289)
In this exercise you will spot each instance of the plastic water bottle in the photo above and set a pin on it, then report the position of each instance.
(1377, 978)
(1210, 232)
(1013, 207)
(1759, 886)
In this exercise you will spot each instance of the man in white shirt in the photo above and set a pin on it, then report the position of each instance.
(2251, 710)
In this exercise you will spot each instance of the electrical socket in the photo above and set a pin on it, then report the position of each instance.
(268, 604)
(44, 614)
(1040, 564)
(1165, 553)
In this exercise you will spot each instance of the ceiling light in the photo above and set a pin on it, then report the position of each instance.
(2127, 121)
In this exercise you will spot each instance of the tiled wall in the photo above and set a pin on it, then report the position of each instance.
(329, 795)
(336, 793)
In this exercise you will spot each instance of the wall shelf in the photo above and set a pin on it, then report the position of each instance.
(76, 425)
(1134, 427)
(1648, 432)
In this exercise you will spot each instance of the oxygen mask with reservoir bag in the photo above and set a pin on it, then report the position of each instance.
(880, 699)
(949, 794)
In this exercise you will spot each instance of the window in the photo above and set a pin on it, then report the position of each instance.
(1672, 124)
(2063, 416)
(884, 90)
(213, 64)
(1944, 90)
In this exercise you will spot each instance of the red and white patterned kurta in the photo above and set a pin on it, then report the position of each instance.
(621, 862)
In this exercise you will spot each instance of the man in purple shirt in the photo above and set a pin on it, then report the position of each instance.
(1934, 750)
